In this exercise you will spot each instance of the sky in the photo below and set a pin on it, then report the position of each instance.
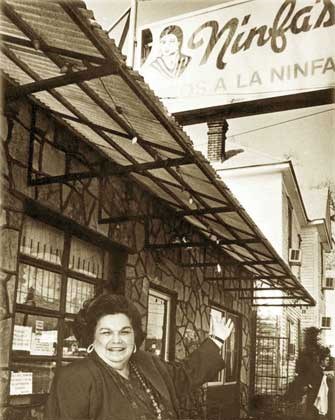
(306, 136)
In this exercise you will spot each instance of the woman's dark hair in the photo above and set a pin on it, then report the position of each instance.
(175, 30)
(105, 304)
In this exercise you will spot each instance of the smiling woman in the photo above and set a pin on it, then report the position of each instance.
(117, 381)
(114, 341)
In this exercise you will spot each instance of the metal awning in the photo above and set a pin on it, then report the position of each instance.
(56, 53)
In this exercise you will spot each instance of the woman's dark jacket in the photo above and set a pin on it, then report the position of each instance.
(85, 389)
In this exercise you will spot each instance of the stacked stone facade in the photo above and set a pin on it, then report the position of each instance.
(78, 201)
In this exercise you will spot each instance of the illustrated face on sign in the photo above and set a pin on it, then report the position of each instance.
(169, 45)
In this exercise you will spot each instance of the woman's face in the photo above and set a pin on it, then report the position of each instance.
(114, 340)
(325, 362)
(169, 45)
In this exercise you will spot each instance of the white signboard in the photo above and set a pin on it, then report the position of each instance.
(239, 51)
(21, 383)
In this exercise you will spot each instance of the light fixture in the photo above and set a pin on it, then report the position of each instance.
(134, 140)
(65, 68)
(218, 268)
(190, 199)
(36, 44)
(176, 240)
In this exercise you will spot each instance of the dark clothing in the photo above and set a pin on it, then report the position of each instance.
(133, 390)
(87, 390)
(313, 379)
(331, 398)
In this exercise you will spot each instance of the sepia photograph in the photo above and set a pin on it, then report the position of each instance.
(167, 210)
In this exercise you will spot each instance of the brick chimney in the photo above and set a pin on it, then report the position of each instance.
(216, 148)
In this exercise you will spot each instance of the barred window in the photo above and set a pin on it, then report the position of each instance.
(57, 272)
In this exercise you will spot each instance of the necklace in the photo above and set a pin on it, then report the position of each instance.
(148, 390)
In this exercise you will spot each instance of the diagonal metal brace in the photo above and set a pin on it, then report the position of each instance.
(15, 92)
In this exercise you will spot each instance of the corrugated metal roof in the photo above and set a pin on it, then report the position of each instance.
(46, 40)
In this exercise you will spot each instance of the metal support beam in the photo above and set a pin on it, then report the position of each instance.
(117, 171)
(177, 245)
(252, 263)
(181, 213)
(283, 304)
(270, 297)
(59, 81)
(123, 219)
(254, 289)
(201, 244)
(238, 241)
(256, 107)
(203, 264)
(108, 130)
(10, 39)
(200, 212)
(251, 278)
(31, 145)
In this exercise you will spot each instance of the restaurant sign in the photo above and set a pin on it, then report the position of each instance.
(239, 51)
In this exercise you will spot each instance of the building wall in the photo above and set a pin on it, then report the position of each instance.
(311, 276)
(261, 195)
(329, 335)
(296, 228)
(290, 315)
(266, 198)
(78, 201)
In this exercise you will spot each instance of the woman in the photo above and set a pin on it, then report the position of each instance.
(117, 381)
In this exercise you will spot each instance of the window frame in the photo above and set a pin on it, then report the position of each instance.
(326, 320)
(171, 298)
(223, 350)
(291, 338)
(69, 230)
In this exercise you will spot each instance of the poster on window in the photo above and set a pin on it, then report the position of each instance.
(44, 343)
(236, 52)
(21, 383)
(22, 338)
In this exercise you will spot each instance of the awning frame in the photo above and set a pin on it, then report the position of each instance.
(209, 218)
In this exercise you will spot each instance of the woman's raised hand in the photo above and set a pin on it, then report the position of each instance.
(221, 327)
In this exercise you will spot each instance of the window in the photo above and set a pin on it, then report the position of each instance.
(158, 324)
(291, 339)
(329, 283)
(230, 349)
(321, 261)
(146, 45)
(299, 335)
(289, 222)
(326, 322)
(57, 273)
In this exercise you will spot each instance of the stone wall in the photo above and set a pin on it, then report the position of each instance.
(78, 201)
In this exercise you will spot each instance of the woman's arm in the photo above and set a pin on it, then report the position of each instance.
(205, 362)
(200, 367)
